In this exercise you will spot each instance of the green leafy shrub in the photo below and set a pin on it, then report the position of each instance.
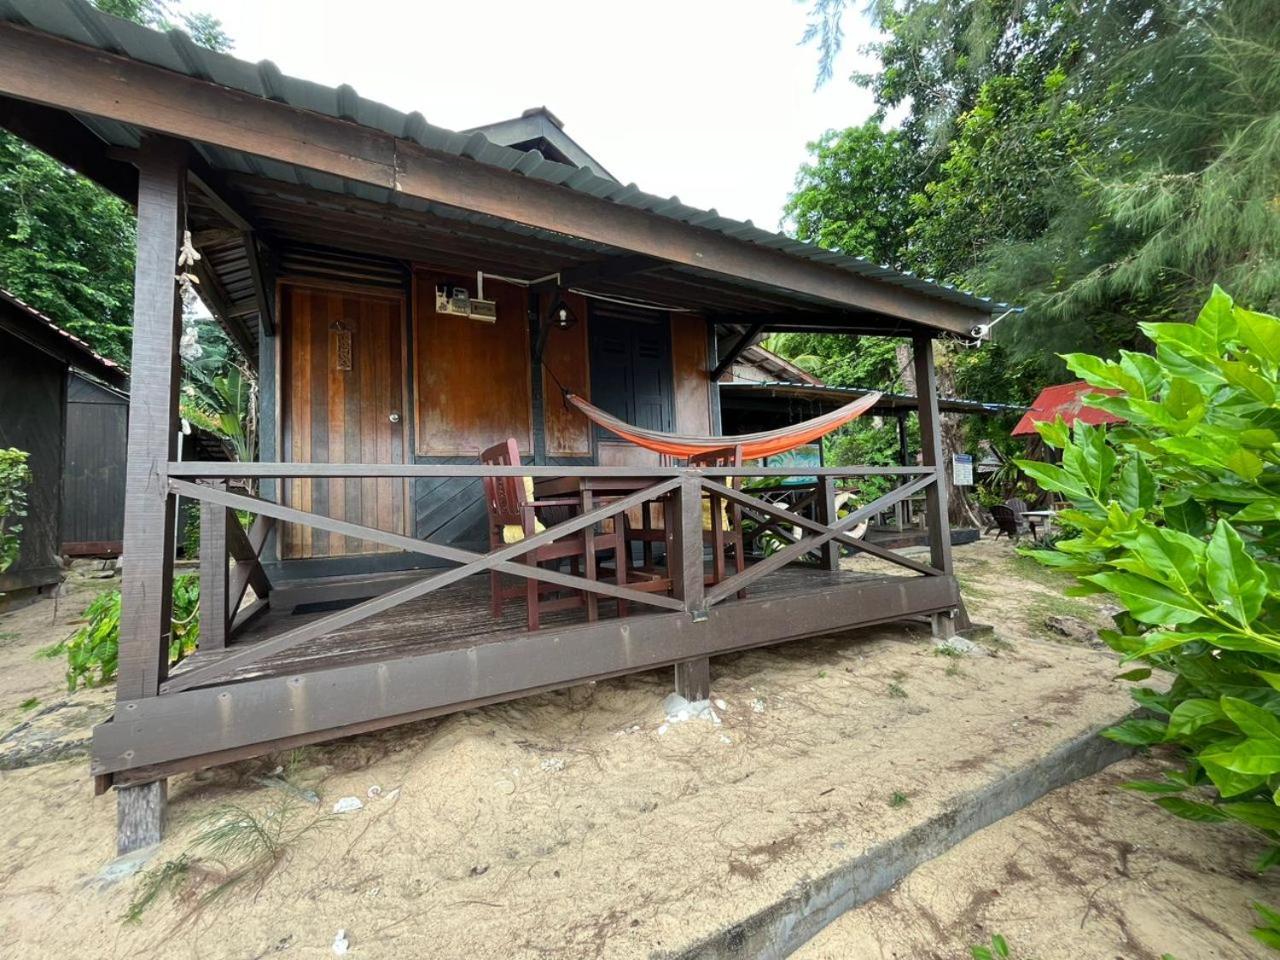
(1176, 514)
(15, 477)
(92, 651)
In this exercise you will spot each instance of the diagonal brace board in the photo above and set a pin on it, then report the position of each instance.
(782, 515)
(732, 585)
(472, 563)
(246, 550)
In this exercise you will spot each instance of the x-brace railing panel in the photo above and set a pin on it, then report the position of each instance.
(471, 563)
(780, 515)
(731, 585)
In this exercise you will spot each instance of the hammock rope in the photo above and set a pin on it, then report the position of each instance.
(767, 443)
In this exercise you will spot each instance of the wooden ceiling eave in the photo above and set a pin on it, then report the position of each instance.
(38, 67)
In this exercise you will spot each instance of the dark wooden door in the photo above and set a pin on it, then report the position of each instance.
(342, 384)
(631, 367)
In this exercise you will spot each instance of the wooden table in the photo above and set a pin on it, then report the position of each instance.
(589, 491)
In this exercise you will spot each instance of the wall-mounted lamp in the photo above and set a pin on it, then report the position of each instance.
(560, 316)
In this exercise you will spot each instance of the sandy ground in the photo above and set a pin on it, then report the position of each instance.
(1089, 871)
(575, 824)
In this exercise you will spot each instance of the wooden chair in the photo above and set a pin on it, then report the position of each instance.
(721, 521)
(1025, 524)
(1006, 522)
(513, 516)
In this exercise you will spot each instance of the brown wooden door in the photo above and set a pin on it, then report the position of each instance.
(342, 387)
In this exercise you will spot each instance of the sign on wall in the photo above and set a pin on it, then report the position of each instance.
(962, 470)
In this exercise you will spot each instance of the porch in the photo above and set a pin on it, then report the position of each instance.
(310, 660)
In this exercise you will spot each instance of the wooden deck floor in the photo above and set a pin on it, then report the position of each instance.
(454, 617)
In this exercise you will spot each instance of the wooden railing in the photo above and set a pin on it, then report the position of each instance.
(681, 491)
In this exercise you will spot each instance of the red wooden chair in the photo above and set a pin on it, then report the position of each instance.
(513, 516)
(721, 519)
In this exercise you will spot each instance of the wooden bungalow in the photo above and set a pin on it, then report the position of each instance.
(414, 296)
(51, 384)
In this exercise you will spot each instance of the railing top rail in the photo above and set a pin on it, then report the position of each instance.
(218, 470)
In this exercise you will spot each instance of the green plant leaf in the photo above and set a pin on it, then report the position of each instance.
(1141, 673)
(1265, 816)
(1153, 786)
(1148, 601)
(1137, 489)
(1230, 783)
(1233, 576)
(1190, 715)
(1191, 809)
(1253, 756)
(1253, 721)
(1136, 733)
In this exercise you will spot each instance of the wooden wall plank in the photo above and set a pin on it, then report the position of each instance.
(472, 379)
(565, 355)
(692, 381)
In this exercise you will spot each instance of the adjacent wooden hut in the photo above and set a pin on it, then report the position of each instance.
(48, 378)
(415, 296)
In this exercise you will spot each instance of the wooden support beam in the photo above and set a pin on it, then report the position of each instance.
(735, 351)
(825, 508)
(222, 198)
(213, 577)
(935, 504)
(141, 814)
(693, 679)
(246, 549)
(147, 588)
(685, 561)
(262, 285)
(215, 298)
(44, 69)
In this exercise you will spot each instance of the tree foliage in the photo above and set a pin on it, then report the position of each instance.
(67, 245)
(1099, 162)
(15, 478)
(1176, 514)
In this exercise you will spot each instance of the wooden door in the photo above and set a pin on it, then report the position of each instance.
(343, 401)
(631, 367)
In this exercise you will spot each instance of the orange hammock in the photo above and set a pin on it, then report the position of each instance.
(754, 445)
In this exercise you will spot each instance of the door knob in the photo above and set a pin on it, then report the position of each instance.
(394, 418)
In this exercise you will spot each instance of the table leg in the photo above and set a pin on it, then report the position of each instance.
(589, 543)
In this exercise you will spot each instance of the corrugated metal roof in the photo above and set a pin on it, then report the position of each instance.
(72, 349)
(1065, 400)
(80, 22)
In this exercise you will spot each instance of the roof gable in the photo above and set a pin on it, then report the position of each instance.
(540, 129)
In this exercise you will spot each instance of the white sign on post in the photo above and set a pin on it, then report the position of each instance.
(962, 470)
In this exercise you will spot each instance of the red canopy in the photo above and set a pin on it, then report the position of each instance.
(1064, 400)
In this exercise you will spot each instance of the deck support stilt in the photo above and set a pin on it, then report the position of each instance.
(944, 625)
(141, 812)
(693, 679)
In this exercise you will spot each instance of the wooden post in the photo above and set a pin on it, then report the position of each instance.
(931, 456)
(213, 576)
(683, 512)
(147, 588)
(825, 505)
(141, 814)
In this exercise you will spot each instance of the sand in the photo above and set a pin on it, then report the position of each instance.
(574, 824)
(1089, 871)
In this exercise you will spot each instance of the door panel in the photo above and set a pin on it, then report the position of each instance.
(631, 368)
(342, 385)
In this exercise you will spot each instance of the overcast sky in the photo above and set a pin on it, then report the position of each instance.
(709, 100)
